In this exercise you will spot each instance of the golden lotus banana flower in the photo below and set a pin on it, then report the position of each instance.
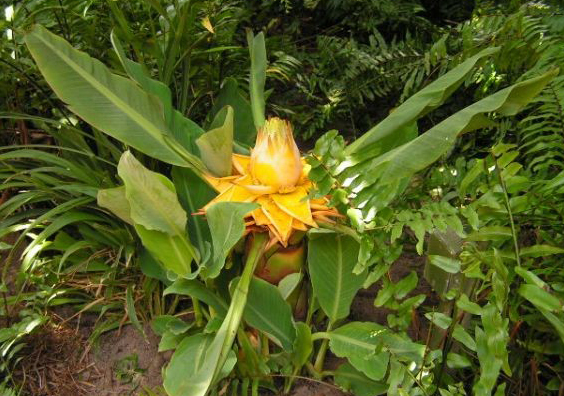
(276, 178)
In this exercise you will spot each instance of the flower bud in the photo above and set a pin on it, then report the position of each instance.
(283, 262)
(275, 159)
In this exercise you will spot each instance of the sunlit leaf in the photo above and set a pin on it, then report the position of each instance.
(111, 103)
(447, 264)
(152, 197)
(429, 98)
(114, 199)
(540, 298)
(186, 363)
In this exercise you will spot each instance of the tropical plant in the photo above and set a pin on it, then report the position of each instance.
(242, 322)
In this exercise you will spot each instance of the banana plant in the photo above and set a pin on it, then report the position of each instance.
(241, 256)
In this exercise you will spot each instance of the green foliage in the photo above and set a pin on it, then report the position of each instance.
(497, 290)
(331, 261)
(227, 227)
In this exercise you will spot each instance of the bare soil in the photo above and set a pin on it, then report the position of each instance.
(313, 389)
(126, 362)
(51, 363)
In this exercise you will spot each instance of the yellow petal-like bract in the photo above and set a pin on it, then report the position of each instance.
(275, 177)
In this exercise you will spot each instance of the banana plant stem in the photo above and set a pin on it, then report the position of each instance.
(320, 358)
(239, 299)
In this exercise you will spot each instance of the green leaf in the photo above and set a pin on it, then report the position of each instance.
(350, 379)
(530, 277)
(489, 365)
(115, 201)
(429, 98)
(554, 321)
(5, 246)
(257, 78)
(331, 259)
(130, 309)
(212, 367)
(358, 341)
(540, 298)
(227, 225)
(421, 152)
(151, 267)
(439, 319)
(289, 283)
(405, 285)
(243, 123)
(491, 233)
(466, 305)
(152, 197)
(456, 361)
(447, 264)
(303, 345)
(462, 336)
(540, 251)
(216, 145)
(110, 103)
(403, 162)
(185, 131)
(159, 219)
(186, 364)
(194, 193)
(159, 323)
(197, 290)
(175, 253)
(65, 219)
(169, 341)
(178, 326)
(477, 170)
(138, 73)
(267, 311)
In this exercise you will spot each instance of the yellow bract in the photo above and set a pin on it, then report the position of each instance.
(275, 177)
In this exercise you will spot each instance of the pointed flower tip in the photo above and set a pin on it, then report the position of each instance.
(275, 159)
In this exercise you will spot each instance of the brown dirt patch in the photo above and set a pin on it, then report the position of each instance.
(308, 388)
(125, 363)
(51, 363)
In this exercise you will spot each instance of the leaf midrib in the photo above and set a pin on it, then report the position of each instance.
(349, 340)
(339, 286)
(129, 111)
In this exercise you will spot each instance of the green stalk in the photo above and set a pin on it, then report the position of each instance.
(509, 211)
(340, 228)
(264, 344)
(239, 299)
(198, 315)
(320, 359)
